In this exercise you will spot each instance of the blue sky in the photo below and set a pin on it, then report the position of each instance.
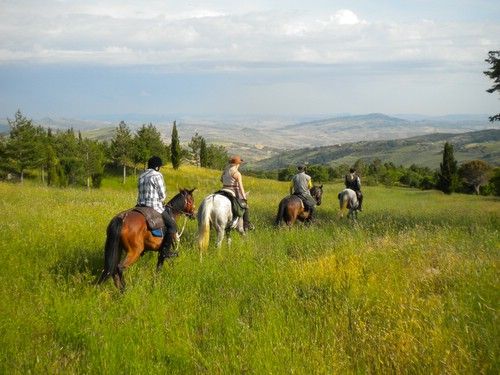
(229, 57)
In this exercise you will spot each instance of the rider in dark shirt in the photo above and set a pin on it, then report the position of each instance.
(352, 181)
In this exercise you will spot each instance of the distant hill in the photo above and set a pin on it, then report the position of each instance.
(4, 128)
(424, 150)
(262, 137)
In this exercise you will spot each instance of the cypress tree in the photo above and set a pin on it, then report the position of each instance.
(203, 153)
(447, 177)
(175, 148)
(52, 167)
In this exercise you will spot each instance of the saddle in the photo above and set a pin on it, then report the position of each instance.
(303, 201)
(237, 207)
(153, 218)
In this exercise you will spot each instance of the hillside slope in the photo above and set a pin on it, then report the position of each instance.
(425, 150)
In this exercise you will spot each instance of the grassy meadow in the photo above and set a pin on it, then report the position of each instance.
(412, 288)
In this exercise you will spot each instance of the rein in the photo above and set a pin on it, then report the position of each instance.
(180, 211)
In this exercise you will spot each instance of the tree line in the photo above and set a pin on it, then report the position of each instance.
(64, 157)
(475, 176)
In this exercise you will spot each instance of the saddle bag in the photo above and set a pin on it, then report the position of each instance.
(237, 206)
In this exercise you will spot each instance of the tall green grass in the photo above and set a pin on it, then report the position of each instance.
(413, 287)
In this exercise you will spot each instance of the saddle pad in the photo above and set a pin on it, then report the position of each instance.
(157, 233)
(300, 199)
(153, 218)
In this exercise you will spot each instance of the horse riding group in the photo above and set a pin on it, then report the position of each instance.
(152, 225)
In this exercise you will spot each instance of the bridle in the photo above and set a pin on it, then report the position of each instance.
(181, 211)
(186, 214)
(317, 194)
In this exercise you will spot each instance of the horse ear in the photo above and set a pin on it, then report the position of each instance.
(191, 191)
(321, 186)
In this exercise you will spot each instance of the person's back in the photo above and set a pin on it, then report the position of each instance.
(300, 186)
(151, 193)
(151, 190)
(353, 182)
(301, 183)
(232, 181)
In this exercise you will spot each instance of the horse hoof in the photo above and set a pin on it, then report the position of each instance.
(249, 227)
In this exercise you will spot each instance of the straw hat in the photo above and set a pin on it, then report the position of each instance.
(236, 159)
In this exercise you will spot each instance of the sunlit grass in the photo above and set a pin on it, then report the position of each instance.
(411, 288)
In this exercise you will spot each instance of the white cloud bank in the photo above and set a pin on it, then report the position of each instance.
(162, 33)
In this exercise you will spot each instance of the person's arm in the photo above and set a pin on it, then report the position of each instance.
(239, 181)
(359, 182)
(309, 183)
(162, 193)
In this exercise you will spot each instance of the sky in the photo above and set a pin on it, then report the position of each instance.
(64, 58)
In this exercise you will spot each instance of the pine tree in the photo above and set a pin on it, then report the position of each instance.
(122, 147)
(24, 146)
(494, 74)
(217, 156)
(195, 146)
(175, 148)
(448, 177)
(148, 143)
(475, 173)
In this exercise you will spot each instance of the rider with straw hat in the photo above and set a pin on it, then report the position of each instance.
(232, 181)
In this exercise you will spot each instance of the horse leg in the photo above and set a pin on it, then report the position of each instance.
(130, 259)
(228, 236)
(220, 235)
(290, 217)
(119, 280)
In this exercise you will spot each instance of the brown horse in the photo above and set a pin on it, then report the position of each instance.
(128, 232)
(291, 208)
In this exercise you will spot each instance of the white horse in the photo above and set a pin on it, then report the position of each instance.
(215, 212)
(348, 200)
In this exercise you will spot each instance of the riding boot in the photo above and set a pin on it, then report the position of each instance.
(170, 237)
(247, 225)
(310, 217)
(360, 200)
(167, 246)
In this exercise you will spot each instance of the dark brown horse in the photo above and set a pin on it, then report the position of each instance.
(128, 232)
(291, 208)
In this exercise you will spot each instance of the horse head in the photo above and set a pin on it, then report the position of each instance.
(183, 203)
(317, 193)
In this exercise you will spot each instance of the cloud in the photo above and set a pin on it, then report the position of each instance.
(170, 34)
(346, 17)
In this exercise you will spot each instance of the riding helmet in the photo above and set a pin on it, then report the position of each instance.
(154, 162)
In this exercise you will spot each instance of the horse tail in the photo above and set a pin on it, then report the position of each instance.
(112, 249)
(343, 199)
(281, 213)
(204, 224)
